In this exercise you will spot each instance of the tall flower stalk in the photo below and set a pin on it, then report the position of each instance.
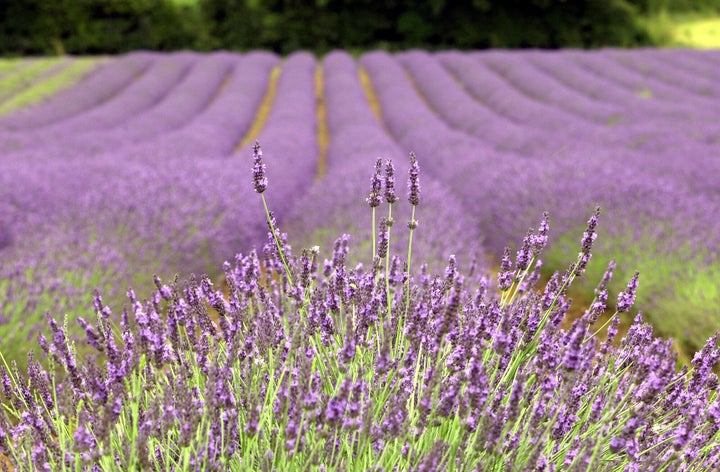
(390, 198)
(260, 184)
(375, 198)
(413, 185)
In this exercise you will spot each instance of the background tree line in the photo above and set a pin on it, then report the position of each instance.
(115, 26)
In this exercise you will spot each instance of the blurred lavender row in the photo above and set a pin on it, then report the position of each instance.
(655, 179)
(169, 194)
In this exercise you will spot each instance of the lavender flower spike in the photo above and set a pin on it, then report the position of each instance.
(506, 276)
(414, 181)
(375, 197)
(390, 195)
(383, 238)
(627, 298)
(413, 189)
(260, 182)
(588, 238)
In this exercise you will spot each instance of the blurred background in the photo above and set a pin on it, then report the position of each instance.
(46, 27)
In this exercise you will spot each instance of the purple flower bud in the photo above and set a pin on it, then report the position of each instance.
(571, 358)
(522, 261)
(260, 182)
(626, 299)
(598, 307)
(539, 240)
(451, 270)
(163, 290)
(383, 238)
(606, 278)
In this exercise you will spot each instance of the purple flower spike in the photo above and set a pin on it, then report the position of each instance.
(539, 240)
(414, 181)
(522, 261)
(390, 195)
(260, 182)
(571, 358)
(375, 197)
(626, 299)
(587, 240)
(506, 275)
(383, 238)
(606, 278)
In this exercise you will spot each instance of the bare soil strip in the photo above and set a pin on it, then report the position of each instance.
(370, 93)
(263, 111)
(323, 137)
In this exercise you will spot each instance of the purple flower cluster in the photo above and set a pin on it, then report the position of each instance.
(197, 378)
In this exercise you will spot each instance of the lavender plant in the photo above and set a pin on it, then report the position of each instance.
(298, 367)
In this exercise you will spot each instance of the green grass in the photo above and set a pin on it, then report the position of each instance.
(23, 92)
(22, 77)
(691, 30)
(8, 65)
(699, 33)
(679, 293)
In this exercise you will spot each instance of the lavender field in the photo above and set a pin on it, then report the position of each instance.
(139, 165)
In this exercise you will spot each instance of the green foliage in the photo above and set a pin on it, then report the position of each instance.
(113, 26)
(98, 26)
(38, 91)
(657, 6)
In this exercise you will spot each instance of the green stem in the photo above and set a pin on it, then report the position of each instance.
(277, 242)
(409, 258)
(600, 328)
(372, 256)
(387, 262)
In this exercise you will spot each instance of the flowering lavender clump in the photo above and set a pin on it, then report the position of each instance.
(342, 369)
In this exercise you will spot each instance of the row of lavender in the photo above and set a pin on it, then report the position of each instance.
(514, 134)
(136, 171)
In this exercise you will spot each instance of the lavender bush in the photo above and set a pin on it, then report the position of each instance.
(316, 364)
